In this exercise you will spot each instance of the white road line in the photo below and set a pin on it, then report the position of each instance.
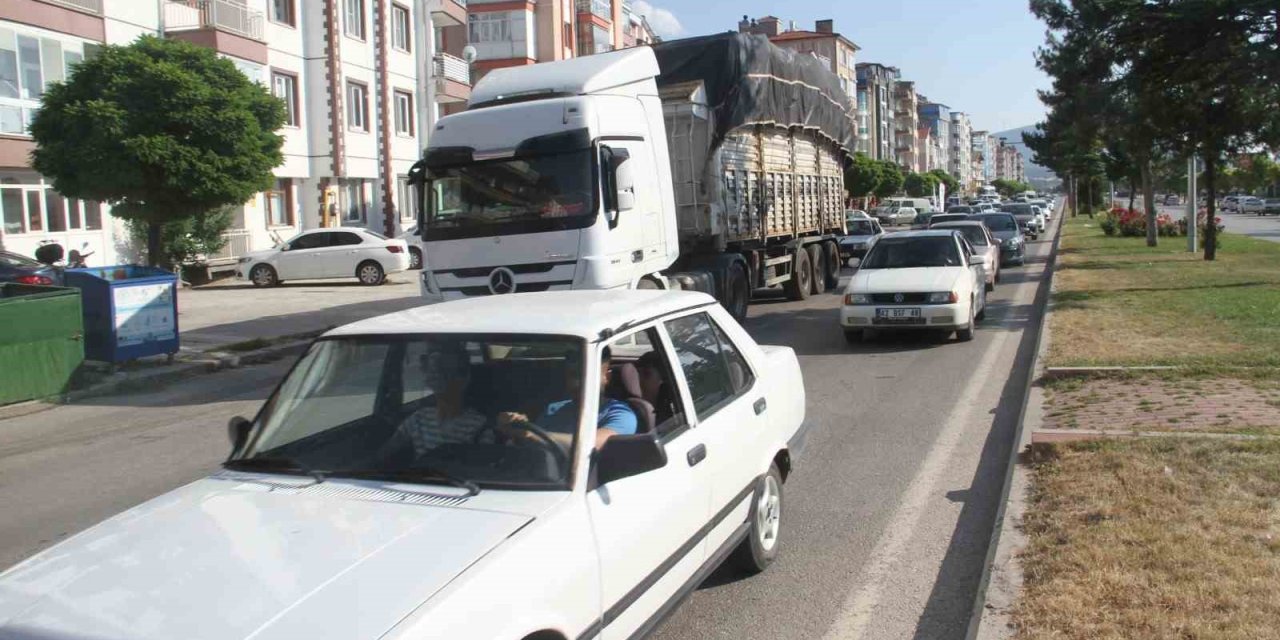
(856, 612)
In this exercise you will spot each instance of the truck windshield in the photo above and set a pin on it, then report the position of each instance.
(510, 196)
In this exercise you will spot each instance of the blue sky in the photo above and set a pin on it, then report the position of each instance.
(975, 56)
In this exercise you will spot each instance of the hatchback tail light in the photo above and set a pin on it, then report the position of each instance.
(395, 248)
(34, 279)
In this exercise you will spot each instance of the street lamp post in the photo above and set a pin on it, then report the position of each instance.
(1192, 227)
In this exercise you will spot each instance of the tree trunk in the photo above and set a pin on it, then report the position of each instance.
(1088, 202)
(1210, 226)
(1133, 193)
(154, 248)
(1071, 193)
(1149, 201)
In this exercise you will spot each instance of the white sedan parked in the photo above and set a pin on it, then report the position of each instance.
(334, 252)
(458, 471)
(916, 280)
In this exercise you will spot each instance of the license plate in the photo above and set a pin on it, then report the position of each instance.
(897, 314)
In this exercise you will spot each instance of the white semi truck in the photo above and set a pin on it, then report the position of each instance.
(714, 164)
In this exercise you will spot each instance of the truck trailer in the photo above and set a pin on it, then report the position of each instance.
(712, 163)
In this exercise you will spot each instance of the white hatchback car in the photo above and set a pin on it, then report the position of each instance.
(916, 280)
(333, 252)
(458, 471)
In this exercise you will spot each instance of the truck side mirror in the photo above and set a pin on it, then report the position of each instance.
(619, 182)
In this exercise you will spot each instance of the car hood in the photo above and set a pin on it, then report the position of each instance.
(921, 279)
(237, 556)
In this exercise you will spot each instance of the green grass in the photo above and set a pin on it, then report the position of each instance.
(1120, 303)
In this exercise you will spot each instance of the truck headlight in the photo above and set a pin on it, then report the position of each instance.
(856, 298)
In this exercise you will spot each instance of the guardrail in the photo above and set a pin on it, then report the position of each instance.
(217, 14)
(88, 6)
(451, 67)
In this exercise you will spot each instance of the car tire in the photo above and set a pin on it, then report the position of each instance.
(415, 258)
(370, 273)
(833, 262)
(737, 292)
(998, 265)
(966, 334)
(991, 286)
(797, 288)
(264, 275)
(853, 336)
(818, 281)
(759, 550)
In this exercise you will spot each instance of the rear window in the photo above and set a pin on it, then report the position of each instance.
(861, 228)
(998, 222)
(973, 234)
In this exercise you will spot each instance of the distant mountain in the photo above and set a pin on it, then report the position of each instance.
(1014, 137)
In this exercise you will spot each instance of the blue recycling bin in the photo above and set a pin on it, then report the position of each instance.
(130, 311)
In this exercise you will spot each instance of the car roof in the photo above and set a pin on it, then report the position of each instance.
(583, 313)
(956, 224)
(922, 233)
(352, 229)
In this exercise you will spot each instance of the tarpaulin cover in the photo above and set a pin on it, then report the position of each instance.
(748, 80)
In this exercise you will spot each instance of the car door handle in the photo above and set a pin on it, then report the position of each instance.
(696, 455)
(760, 406)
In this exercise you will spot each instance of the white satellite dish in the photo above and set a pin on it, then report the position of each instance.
(469, 54)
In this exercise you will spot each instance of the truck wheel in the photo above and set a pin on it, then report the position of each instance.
(797, 287)
(758, 551)
(817, 282)
(831, 252)
(737, 292)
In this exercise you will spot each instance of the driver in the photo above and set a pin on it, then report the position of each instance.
(447, 373)
(559, 419)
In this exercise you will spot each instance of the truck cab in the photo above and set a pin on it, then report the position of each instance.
(556, 177)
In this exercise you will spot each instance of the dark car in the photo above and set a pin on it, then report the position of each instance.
(24, 270)
(962, 208)
(1007, 230)
(939, 218)
(1025, 216)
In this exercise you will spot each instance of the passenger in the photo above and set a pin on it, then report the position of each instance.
(560, 419)
(653, 388)
(447, 373)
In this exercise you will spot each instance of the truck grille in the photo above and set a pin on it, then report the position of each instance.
(483, 272)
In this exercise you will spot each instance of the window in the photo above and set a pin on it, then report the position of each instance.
(489, 27)
(713, 368)
(406, 193)
(28, 64)
(343, 238)
(280, 203)
(352, 200)
(400, 31)
(355, 18)
(29, 68)
(310, 241)
(92, 215)
(404, 113)
(601, 40)
(285, 87)
(35, 217)
(357, 106)
(282, 12)
(55, 211)
(11, 208)
(654, 382)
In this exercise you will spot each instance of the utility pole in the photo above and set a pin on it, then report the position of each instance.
(1192, 224)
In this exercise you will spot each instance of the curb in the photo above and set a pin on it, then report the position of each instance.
(1061, 373)
(1055, 436)
(1000, 563)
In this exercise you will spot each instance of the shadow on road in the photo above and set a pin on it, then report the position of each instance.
(274, 326)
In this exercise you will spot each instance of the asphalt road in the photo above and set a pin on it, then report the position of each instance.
(1261, 227)
(886, 520)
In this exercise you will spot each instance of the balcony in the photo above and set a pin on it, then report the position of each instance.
(448, 13)
(88, 6)
(452, 76)
(221, 25)
(601, 8)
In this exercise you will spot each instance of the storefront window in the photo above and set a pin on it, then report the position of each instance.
(54, 210)
(11, 204)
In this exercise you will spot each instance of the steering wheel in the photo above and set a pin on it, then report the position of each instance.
(545, 440)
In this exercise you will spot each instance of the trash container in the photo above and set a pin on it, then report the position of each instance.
(130, 311)
(41, 340)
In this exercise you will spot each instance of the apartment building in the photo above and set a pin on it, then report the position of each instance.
(960, 149)
(876, 122)
(353, 75)
(937, 117)
(835, 51)
(905, 124)
(1009, 162)
(983, 146)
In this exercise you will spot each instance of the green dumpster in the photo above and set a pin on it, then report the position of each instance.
(41, 340)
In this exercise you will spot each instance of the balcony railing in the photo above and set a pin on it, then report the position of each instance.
(87, 6)
(222, 15)
(451, 67)
(238, 243)
(600, 8)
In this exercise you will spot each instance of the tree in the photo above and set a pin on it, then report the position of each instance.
(862, 176)
(187, 238)
(163, 130)
(890, 179)
(942, 177)
(919, 185)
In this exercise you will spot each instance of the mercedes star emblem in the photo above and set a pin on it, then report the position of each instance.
(502, 280)
(897, 297)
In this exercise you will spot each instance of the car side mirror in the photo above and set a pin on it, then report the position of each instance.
(238, 431)
(626, 456)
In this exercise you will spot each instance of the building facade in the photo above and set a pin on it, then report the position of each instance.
(905, 124)
(984, 162)
(960, 149)
(937, 117)
(876, 120)
(1009, 162)
(835, 51)
(362, 82)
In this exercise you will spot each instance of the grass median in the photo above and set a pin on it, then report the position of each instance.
(1118, 302)
(1153, 538)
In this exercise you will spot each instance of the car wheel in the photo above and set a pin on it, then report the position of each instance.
(415, 258)
(758, 551)
(853, 336)
(797, 287)
(833, 262)
(966, 334)
(998, 265)
(263, 275)
(818, 281)
(737, 292)
(991, 286)
(370, 273)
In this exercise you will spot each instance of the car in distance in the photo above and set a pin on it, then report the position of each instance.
(1249, 204)
(863, 234)
(896, 215)
(1172, 200)
(916, 280)
(985, 246)
(947, 217)
(1025, 216)
(1271, 206)
(414, 242)
(458, 471)
(1008, 232)
(333, 252)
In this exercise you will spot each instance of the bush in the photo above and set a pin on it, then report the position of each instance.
(1131, 223)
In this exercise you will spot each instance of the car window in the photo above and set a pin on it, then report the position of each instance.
(310, 241)
(912, 252)
(861, 228)
(15, 260)
(654, 379)
(966, 249)
(998, 222)
(378, 235)
(344, 238)
(713, 369)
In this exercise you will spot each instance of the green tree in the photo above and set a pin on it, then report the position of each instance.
(1255, 171)
(184, 239)
(891, 179)
(862, 176)
(942, 177)
(161, 129)
(919, 185)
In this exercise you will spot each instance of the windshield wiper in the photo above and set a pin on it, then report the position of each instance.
(275, 464)
(411, 475)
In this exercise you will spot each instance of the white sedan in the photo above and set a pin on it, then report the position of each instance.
(986, 248)
(334, 252)
(458, 471)
(916, 280)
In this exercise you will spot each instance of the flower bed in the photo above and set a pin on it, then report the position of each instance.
(1132, 223)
